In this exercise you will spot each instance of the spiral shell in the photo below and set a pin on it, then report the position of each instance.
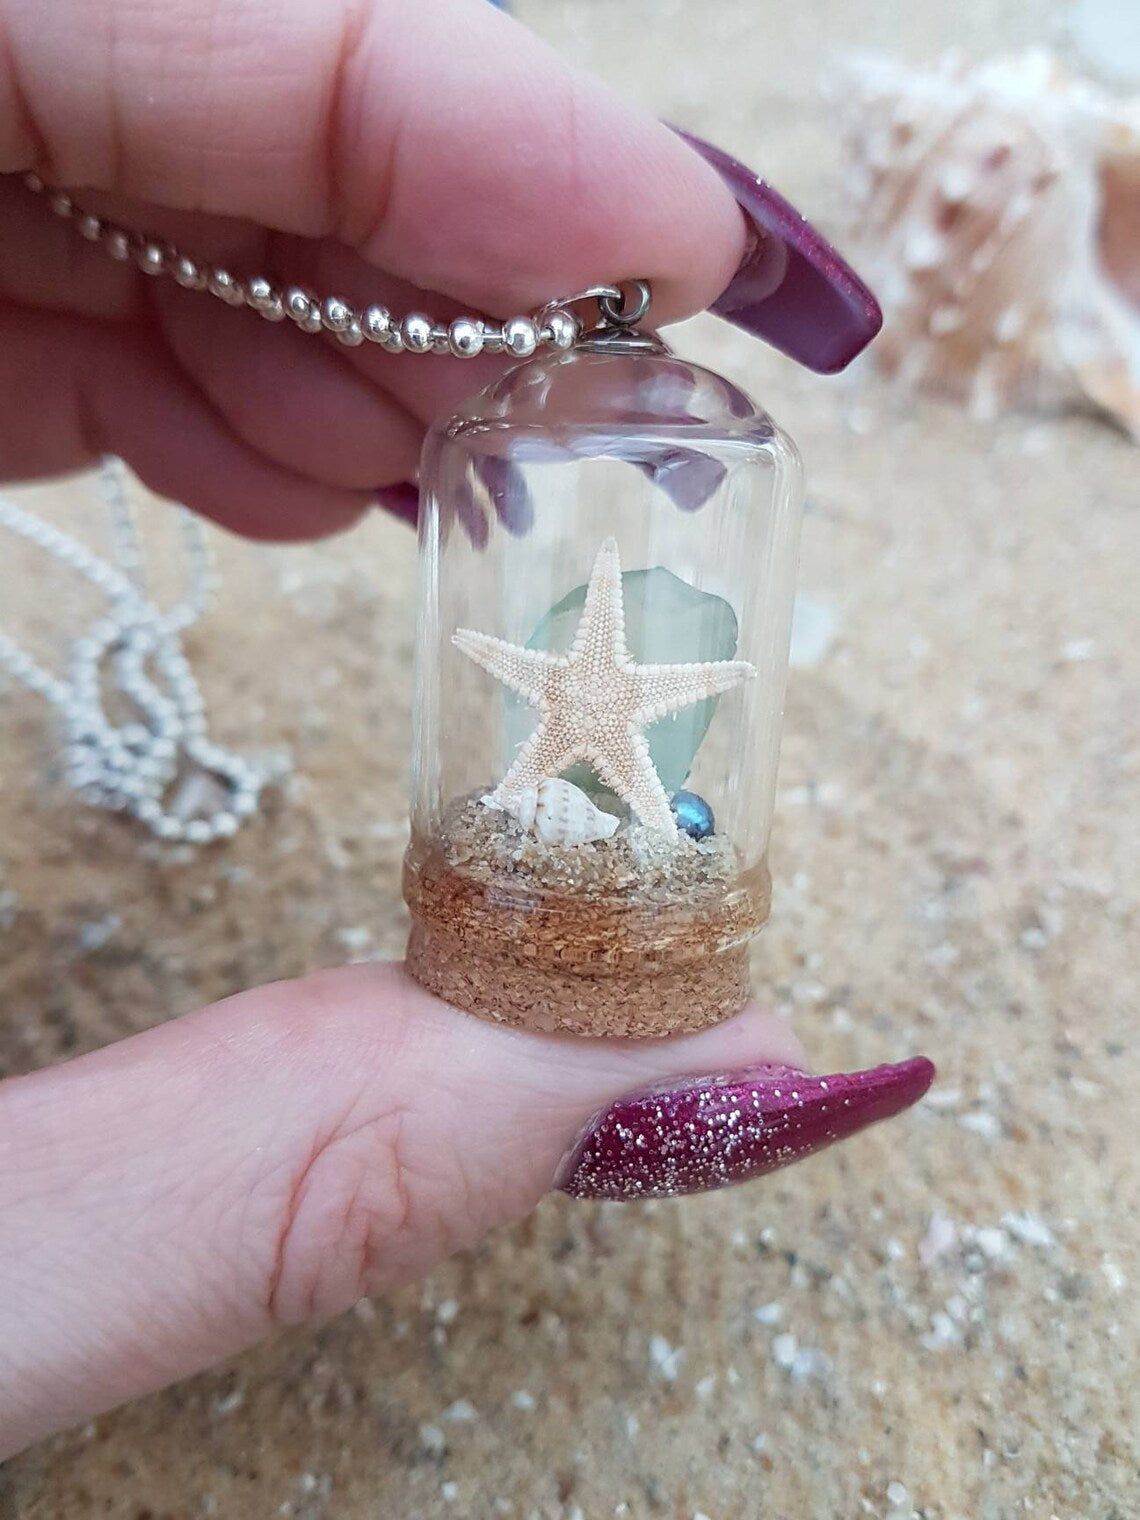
(557, 812)
(994, 210)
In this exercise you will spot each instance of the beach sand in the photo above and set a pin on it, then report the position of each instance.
(938, 1319)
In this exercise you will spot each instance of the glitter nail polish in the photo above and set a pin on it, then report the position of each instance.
(713, 1132)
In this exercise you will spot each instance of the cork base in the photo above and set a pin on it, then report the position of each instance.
(590, 940)
(636, 1005)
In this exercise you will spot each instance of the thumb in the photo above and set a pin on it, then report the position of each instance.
(171, 1199)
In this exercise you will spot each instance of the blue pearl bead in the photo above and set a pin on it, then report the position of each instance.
(693, 814)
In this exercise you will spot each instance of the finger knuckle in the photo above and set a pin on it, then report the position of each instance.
(381, 1186)
(345, 1219)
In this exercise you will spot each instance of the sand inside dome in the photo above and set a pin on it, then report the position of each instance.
(625, 936)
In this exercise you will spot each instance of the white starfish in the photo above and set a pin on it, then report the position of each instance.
(594, 701)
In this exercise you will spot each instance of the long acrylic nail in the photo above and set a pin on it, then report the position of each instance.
(715, 1131)
(401, 499)
(792, 288)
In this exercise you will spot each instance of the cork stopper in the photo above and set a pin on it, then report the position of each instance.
(617, 937)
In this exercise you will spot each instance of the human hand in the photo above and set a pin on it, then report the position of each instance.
(433, 157)
(172, 1198)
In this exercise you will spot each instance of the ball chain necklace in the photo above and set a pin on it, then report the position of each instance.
(145, 766)
(131, 767)
(552, 325)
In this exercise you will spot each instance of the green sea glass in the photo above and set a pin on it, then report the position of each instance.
(667, 622)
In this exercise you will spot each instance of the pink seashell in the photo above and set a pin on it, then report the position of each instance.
(996, 212)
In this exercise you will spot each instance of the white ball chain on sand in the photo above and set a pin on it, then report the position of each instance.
(132, 767)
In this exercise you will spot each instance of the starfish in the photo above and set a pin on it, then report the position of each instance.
(595, 701)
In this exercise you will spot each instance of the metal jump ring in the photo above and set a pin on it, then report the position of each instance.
(594, 293)
(622, 311)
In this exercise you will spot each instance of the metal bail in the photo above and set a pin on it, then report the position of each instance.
(620, 311)
(625, 311)
(618, 333)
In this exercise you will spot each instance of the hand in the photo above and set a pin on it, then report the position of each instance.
(172, 1198)
(431, 157)
(176, 1196)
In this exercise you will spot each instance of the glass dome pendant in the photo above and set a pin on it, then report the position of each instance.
(608, 543)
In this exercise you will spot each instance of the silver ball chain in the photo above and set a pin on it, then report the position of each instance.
(131, 767)
(552, 326)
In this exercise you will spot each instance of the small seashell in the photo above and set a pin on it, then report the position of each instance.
(557, 812)
(994, 209)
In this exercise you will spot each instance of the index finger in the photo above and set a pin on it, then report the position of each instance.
(445, 142)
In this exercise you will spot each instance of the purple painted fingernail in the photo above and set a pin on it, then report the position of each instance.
(402, 500)
(689, 479)
(715, 1131)
(792, 288)
(506, 486)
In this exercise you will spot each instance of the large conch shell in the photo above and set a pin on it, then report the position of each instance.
(557, 811)
(996, 213)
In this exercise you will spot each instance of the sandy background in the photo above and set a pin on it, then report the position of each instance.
(937, 1320)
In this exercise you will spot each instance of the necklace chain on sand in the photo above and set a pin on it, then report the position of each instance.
(159, 766)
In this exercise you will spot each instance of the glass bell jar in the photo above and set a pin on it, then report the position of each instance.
(608, 544)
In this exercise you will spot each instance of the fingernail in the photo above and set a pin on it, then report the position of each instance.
(402, 500)
(506, 486)
(792, 288)
(712, 1132)
(689, 479)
